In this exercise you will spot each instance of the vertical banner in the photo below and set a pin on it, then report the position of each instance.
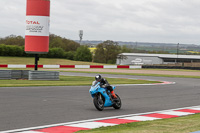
(37, 26)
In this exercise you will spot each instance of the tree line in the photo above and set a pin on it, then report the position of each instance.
(14, 50)
(59, 47)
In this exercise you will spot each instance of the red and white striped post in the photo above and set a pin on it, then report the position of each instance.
(37, 27)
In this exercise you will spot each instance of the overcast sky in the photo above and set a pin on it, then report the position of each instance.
(165, 21)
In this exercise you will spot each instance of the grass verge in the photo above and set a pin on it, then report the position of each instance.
(184, 124)
(182, 70)
(69, 81)
(139, 74)
(45, 61)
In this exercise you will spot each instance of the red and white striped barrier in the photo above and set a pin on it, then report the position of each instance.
(72, 127)
(71, 66)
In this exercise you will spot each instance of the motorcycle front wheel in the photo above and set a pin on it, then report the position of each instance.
(98, 102)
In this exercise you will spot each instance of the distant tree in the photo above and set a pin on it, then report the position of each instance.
(83, 54)
(3, 50)
(59, 42)
(107, 52)
(12, 40)
(99, 54)
(10, 50)
(125, 49)
(70, 45)
(70, 55)
(54, 42)
(56, 53)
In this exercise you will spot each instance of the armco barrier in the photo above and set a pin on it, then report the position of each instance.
(14, 74)
(43, 75)
(5, 74)
(72, 66)
(27, 74)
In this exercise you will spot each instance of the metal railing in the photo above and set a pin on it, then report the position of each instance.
(29, 75)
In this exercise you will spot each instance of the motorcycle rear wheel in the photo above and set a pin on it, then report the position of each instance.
(98, 102)
(118, 103)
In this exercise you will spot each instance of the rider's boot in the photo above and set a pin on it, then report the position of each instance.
(113, 94)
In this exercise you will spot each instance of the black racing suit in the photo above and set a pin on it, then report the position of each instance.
(104, 83)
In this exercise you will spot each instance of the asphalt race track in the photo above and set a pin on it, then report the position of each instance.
(23, 107)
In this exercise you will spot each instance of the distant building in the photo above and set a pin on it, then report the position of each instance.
(150, 59)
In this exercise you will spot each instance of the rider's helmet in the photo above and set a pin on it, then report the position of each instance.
(98, 77)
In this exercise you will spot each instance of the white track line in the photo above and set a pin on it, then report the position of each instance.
(140, 118)
(91, 125)
(176, 113)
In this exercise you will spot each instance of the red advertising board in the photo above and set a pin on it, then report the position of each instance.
(37, 26)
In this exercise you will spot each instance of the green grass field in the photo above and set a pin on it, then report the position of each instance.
(139, 74)
(184, 124)
(184, 70)
(44, 61)
(69, 81)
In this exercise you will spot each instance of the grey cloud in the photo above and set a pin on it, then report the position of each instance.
(123, 20)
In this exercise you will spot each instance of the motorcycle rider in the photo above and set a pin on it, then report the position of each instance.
(104, 83)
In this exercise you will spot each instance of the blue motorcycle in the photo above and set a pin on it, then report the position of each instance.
(103, 98)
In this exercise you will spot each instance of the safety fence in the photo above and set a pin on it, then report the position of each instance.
(72, 66)
(29, 75)
(98, 66)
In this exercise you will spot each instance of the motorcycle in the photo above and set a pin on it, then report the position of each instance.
(103, 98)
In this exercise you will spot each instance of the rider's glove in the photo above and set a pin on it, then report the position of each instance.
(104, 86)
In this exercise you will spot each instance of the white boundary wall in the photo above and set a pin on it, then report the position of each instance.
(73, 66)
(82, 66)
(110, 66)
(135, 67)
(51, 66)
(16, 66)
